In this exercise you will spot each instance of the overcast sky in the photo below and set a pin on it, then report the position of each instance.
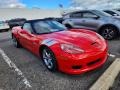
(84, 4)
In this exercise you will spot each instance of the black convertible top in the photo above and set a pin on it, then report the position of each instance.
(35, 20)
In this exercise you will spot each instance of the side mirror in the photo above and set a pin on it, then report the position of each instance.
(21, 27)
(115, 15)
(95, 17)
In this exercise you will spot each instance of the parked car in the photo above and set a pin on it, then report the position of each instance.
(72, 51)
(16, 22)
(58, 19)
(118, 10)
(4, 26)
(99, 21)
(113, 12)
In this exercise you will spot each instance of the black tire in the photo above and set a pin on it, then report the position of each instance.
(109, 32)
(16, 42)
(51, 64)
(68, 26)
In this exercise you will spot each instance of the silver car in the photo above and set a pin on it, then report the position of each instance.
(114, 13)
(99, 21)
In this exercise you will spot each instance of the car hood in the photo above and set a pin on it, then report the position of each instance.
(85, 39)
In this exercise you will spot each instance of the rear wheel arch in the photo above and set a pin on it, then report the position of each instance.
(108, 25)
(12, 35)
(41, 48)
(109, 31)
(16, 41)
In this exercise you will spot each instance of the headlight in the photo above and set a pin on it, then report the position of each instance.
(69, 48)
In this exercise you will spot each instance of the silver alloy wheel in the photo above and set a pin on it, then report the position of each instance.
(14, 41)
(47, 59)
(108, 33)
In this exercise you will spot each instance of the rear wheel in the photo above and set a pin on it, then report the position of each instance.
(15, 42)
(49, 59)
(109, 32)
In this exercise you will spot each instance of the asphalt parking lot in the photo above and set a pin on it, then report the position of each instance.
(116, 84)
(38, 76)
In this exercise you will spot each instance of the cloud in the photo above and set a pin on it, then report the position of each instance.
(11, 4)
(96, 4)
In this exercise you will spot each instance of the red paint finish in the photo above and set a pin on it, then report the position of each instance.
(94, 46)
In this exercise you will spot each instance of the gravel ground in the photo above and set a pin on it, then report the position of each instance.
(38, 76)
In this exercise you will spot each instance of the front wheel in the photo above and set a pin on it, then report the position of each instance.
(49, 59)
(15, 42)
(109, 32)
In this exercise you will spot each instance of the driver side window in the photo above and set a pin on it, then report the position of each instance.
(89, 15)
(76, 15)
(27, 27)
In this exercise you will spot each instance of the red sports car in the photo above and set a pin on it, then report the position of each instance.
(72, 51)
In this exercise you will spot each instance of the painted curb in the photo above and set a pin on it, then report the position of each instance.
(106, 80)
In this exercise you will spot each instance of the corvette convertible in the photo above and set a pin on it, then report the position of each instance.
(73, 51)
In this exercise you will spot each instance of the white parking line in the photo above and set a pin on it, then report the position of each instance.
(106, 80)
(14, 67)
(111, 55)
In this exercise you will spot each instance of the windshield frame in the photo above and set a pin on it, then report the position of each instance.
(102, 13)
(115, 13)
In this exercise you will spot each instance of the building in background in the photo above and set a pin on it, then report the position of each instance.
(34, 13)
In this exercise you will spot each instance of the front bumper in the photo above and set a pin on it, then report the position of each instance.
(77, 64)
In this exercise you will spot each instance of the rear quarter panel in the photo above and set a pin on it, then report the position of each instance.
(15, 31)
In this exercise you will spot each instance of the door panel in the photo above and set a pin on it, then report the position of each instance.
(90, 23)
(29, 41)
(90, 20)
(76, 19)
(79, 22)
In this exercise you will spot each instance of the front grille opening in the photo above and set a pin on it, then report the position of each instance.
(93, 62)
(77, 67)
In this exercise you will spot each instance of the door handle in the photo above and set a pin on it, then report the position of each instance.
(83, 21)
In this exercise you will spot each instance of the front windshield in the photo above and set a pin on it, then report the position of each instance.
(100, 12)
(48, 26)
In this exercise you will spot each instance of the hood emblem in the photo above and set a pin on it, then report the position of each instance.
(95, 44)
